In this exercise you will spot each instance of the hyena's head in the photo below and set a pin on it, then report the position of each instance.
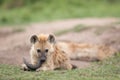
(43, 45)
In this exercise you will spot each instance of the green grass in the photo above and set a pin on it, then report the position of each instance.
(106, 70)
(46, 10)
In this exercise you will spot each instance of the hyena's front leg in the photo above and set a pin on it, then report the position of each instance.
(67, 65)
(24, 67)
(45, 68)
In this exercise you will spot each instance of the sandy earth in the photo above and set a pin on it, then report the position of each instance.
(15, 44)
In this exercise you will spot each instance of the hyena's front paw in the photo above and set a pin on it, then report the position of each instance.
(24, 67)
(42, 69)
(39, 69)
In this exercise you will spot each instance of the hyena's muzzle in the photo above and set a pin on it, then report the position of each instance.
(43, 58)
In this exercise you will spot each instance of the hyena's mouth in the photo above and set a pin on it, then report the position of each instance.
(42, 59)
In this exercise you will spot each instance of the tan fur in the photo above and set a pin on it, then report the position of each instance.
(60, 53)
(57, 59)
(84, 51)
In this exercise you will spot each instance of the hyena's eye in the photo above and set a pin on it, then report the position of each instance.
(46, 50)
(38, 50)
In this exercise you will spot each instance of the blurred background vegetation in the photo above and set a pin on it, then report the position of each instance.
(24, 11)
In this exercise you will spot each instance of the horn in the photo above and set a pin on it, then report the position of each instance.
(30, 66)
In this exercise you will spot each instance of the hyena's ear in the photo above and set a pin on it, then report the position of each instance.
(51, 38)
(33, 39)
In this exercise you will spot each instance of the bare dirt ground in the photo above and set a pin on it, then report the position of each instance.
(15, 44)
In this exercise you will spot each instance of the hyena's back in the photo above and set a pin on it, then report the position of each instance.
(89, 52)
